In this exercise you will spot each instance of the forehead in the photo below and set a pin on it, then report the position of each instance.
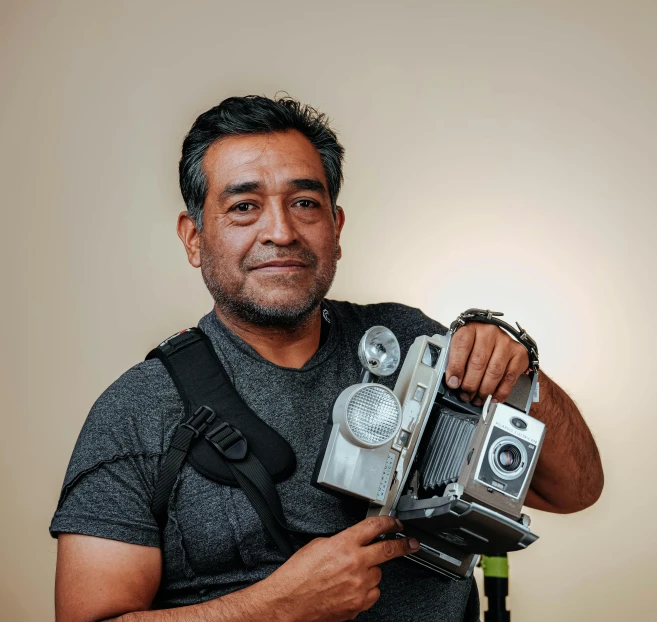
(267, 158)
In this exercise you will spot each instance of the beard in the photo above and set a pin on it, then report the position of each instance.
(286, 313)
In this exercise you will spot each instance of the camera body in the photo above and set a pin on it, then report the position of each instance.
(455, 474)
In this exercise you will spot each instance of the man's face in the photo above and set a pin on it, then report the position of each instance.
(270, 244)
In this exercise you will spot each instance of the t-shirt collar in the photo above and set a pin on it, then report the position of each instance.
(221, 335)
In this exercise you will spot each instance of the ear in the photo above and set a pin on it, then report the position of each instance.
(190, 237)
(339, 223)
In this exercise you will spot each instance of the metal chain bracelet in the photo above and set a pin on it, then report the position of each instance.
(486, 316)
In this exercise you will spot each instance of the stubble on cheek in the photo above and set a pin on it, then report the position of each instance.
(224, 283)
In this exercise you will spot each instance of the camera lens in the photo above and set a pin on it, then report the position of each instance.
(508, 457)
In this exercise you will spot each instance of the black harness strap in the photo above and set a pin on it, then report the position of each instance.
(176, 455)
(254, 481)
(210, 399)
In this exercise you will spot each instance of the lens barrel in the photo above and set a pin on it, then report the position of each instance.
(508, 457)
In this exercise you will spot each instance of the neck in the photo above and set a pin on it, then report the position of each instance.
(287, 347)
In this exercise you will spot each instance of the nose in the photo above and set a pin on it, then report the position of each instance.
(277, 226)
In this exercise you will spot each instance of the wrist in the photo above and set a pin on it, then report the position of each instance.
(275, 602)
(256, 602)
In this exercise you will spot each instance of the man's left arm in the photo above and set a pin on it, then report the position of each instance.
(484, 360)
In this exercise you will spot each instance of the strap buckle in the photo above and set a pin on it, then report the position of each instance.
(228, 441)
(200, 420)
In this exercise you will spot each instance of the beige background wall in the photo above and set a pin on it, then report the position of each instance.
(505, 152)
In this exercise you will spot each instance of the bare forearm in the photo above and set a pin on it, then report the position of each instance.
(250, 604)
(568, 475)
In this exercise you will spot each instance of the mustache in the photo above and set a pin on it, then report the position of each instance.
(304, 255)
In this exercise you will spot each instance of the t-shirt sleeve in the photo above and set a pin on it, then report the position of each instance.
(111, 476)
(110, 501)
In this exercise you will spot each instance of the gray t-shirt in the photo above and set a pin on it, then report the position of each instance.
(214, 542)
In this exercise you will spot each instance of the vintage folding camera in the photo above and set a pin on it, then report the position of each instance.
(455, 474)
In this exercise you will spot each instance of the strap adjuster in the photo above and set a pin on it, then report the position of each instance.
(203, 416)
(228, 441)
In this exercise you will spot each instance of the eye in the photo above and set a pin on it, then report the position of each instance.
(306, 203)
(242, 208)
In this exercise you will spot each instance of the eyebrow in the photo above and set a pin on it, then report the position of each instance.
(239, 187)
(308, 184)
(242, 187)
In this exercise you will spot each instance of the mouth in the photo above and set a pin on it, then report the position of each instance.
(280, 266)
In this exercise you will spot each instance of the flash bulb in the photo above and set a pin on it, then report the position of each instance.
(379, 351)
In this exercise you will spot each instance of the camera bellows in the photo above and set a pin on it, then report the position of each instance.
(446, 451)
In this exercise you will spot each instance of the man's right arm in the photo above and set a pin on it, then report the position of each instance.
(330, 579)
(99, 579)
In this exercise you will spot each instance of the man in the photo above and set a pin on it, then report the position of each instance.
(261, 179)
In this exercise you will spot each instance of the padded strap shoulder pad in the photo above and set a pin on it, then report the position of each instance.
(201, 380)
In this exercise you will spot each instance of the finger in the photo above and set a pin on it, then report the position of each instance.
(371, 597)
(516, 367)
(497, 364)
(368, 529)
(384, 551)
(485, 339)
(459, 351)
(374, 575)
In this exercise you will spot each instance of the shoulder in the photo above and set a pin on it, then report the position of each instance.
(137, 404)
(135, 415)
(136, 398)
(406, 322)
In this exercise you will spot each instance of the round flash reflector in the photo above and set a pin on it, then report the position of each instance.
(373, 415)
(379, 351)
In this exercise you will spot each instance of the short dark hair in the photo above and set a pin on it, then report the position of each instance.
(254, 114)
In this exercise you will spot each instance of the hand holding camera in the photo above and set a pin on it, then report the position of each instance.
(483, 361)
(334, 579)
